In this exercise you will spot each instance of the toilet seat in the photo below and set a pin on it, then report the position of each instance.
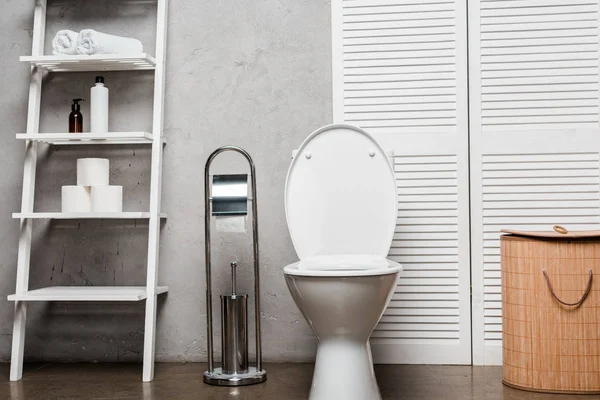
(346, 265)
(340, 196)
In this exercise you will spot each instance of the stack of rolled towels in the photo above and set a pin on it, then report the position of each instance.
(89, 41)
(92, 192)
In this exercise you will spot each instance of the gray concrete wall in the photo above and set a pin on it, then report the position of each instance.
(250, 73)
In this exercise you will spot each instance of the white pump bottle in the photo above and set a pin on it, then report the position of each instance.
(99, 106)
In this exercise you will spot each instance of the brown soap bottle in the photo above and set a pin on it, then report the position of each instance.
(75, 118)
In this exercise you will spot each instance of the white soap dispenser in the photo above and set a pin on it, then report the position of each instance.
(99, 107)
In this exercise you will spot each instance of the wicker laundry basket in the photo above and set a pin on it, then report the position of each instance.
(551, 311)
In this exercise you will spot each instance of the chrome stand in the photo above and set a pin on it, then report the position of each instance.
(234, 370)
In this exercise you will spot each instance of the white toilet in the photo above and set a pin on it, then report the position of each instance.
(341, 209)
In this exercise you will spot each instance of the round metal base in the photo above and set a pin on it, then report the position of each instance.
(217, 377)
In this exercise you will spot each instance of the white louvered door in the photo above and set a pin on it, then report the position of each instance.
(535, 136)
(400, 72)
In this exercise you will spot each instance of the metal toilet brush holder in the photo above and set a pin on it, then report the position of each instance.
(228, 195)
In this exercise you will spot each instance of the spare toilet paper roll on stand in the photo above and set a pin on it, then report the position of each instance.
(107, 198)
(237, 223)
(76, 199)
(92, 172)
(92, 193)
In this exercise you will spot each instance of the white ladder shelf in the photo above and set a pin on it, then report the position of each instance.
(40, 63)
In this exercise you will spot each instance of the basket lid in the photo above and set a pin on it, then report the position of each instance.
(559, 232)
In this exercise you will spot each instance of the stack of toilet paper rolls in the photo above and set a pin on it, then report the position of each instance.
(92, 193)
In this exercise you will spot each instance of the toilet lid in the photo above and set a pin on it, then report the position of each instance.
(340, 195)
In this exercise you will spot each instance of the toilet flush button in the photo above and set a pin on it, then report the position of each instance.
(372, 153)
(308, 156)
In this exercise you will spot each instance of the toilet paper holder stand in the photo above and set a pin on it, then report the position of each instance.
(231, 198)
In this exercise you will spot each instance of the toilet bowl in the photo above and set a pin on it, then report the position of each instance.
(341, 210)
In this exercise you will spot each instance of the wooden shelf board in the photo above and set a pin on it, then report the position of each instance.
(96, 62)
(86, 293)
(89, 138)
(90, 215)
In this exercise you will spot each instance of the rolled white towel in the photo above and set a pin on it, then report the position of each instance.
(91, 42)
(64, 43)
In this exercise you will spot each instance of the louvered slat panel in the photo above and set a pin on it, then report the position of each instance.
(424, 297)
(422, 311)
(400, 73)
(427, 246)
(531, 192)
(405, 336)
(413, 328)
(399, 65)
(539, 64)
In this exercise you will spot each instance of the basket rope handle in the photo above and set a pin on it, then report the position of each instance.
(560, 229)
(577, 303)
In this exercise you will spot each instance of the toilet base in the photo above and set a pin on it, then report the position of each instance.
(344, 371)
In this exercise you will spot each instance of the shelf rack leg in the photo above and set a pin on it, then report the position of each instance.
(23, 260)
(155, 191)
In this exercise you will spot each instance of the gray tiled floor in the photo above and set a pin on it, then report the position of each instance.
(285, 382)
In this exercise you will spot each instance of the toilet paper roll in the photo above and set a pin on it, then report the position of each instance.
(236, 223)
(76, 199)
(107, 198)
(92, 171)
